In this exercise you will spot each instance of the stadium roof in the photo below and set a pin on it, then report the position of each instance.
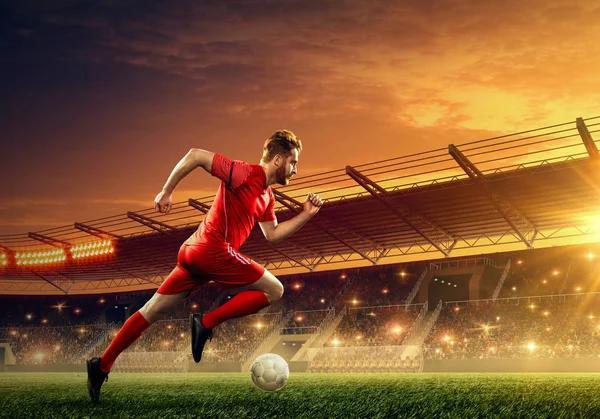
(537, 188)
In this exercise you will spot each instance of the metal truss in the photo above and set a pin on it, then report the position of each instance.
(517, 221)
(49, 240)
(586, 137)
(297, 207)
(436, 236)
(102, 234)
(153, 224)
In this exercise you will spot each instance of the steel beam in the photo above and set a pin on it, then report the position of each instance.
(153, 224)
(588, 141)
(49, 240)
(95, 231)
(515, 219)
(48, 281)
(297, 207)
(438, 237)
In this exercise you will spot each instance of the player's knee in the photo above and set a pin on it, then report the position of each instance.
(276, 291)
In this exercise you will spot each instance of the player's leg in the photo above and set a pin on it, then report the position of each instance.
(248, 299)
(178, 285)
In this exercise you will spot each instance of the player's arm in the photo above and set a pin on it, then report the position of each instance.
(275, 232)
(196, 157)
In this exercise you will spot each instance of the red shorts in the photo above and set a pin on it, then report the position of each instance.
(197, 264)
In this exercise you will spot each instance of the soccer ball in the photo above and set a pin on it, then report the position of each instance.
(269, 372)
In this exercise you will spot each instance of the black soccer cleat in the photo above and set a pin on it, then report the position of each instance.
(200, 335)
(96, 377)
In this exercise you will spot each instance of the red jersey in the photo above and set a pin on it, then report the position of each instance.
(243, 199)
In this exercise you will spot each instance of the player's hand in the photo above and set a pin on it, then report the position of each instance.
(163, 202)
(312, 204)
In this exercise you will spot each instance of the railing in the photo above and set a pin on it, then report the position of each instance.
(464, 263)
(382, 307)
(526, 298)
(564, 284)
(311, 340)
(325, 332)
(415, 289)
(427, 328)
(267, 343)
(95, 342)
(343, 290)
(501, 280)
(416, 324)
(301, 330)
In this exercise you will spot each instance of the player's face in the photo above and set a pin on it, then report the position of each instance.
(287, 169)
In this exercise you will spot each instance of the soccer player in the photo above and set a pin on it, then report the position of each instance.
(212, 252)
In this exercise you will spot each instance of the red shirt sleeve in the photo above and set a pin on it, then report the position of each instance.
(232, 172)
(269, 214)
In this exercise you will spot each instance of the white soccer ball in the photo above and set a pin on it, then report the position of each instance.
(269, 372)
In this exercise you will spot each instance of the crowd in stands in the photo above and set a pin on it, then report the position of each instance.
(551, 271)
(557, 327)
(50, 345)
(366, 359)
(375, 326)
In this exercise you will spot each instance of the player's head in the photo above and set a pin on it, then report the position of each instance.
(281, 150)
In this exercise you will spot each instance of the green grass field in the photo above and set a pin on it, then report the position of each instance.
(232, 395)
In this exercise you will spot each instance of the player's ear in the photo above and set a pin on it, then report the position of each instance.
(277, 160)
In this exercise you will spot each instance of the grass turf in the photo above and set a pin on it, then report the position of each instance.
(232, 395)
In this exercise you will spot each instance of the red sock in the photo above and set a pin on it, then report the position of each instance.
(246, 302)
(129, 333)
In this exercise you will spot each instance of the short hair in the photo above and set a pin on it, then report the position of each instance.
(282, 142)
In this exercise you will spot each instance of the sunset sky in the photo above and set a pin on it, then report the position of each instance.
(100, 99)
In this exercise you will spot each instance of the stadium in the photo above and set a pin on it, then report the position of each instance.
(481, 258)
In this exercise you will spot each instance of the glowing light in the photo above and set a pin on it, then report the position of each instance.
(29, 316)
(519, 262)
(297, 286)
(486, 327)
(335, 342)
(514, 288)
(166, 343)
(402, 274)
(544, 282)
(531, 346)
(456, 308)
(437, 350)
(355, 301)
(343, 276)
(497, 319)
(446, 338)
(590, 256)
(384, 291)
(194, 306)
(532, 306)
(546, 313)
(82, 330)
(492, 349)
(372, 314)
(322, 300)
(359, 337)
(555, 273)
(77, 311)
(101, 301)
(570, 347)
(258, 325)
(397, 330)
(590, 317)
(44, 321)
(57, 348)
(182, 335)
(547, 329)
(578, 289)
(299, 318)
(169, 327)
